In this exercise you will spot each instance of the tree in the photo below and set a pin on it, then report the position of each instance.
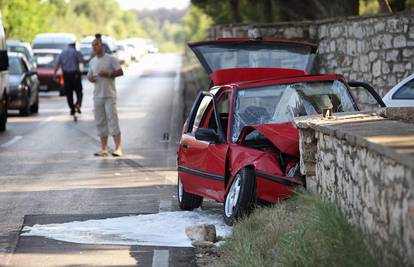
(23, 19)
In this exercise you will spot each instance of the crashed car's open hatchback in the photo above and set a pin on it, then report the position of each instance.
(238, 143)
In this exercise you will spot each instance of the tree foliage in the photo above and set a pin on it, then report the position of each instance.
(24, 19)
(247, 11)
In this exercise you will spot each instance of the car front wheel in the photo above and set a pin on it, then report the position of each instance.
(187, 201)
(241, 197)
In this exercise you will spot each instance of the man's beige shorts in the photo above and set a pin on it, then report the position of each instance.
(106, 116)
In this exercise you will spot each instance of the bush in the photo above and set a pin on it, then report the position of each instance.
(302, 231)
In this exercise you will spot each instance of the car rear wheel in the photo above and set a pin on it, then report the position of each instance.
(241, 197)
(62, 92)
(25, 110)
(187, 201)
(3, 113)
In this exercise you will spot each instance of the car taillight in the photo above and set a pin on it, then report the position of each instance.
(61, 80)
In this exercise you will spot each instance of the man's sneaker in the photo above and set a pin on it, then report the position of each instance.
(101, 153)
(117, 152)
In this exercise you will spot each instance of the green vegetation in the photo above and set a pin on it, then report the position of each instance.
(302, 231)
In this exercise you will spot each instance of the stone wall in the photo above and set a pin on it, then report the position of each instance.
(378, 50)
(364, 163)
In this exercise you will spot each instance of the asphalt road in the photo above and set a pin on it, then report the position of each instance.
(48, 172)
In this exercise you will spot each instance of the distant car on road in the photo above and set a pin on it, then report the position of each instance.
(402, 94)
(238, 144)
(53, 40)
(24, 85)
(24, 48)
(45, 59)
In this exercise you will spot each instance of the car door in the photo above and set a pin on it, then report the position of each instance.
(203, 150)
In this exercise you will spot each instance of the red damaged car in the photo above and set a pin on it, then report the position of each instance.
(238, 144)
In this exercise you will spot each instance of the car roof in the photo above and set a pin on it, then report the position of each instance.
(47, 51)
(280, 80)
(56, 37)
(17, 42)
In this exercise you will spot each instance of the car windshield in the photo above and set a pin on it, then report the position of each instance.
(45, 60)
(50, 46)
(15, 67)
(19, 49)
(281, 103)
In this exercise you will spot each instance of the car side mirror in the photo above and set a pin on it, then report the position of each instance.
(207, 134)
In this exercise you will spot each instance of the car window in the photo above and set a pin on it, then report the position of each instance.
(15, 66)
(281, 103)
(19, 49)
(201, 112)
(223, 104)
(405, 92)
(45, 60)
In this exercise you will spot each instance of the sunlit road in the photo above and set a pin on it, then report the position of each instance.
(48, 172)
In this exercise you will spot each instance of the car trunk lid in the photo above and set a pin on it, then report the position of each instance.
(239, 53)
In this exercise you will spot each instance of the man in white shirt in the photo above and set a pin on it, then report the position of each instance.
(103, 69)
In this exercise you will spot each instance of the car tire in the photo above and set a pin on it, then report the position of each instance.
(3, 113)
(25, 110)
(35, 107)
(241, 198)
(187, 201)
(62, 92)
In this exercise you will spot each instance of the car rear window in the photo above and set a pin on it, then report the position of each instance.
(255, 55)
(281, 103)
(46, 60)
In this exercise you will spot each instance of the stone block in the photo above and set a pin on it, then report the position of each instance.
(398, 67)
(379, 27)
(351, 47)
(408, 53)
(336, 31)
(372, 55)
(201, 232)
(376, 68)
(364, 65)
(385, 68)
(394, 25)
(399, 41)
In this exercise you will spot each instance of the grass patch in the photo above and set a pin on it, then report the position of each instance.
(302, 231)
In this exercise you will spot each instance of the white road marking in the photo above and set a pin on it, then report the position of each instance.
(160, 258)
(51, 118)
(11, 142)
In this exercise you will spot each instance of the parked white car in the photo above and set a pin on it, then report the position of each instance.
(401, 95)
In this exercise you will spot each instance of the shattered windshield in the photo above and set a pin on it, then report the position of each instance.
(282, 102)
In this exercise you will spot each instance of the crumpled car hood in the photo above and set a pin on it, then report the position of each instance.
(283, 135)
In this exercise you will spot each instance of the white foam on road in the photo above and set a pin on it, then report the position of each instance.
(11, 142)
(161, 229)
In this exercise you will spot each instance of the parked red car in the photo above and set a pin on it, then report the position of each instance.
(238, 144)
(45, 59)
